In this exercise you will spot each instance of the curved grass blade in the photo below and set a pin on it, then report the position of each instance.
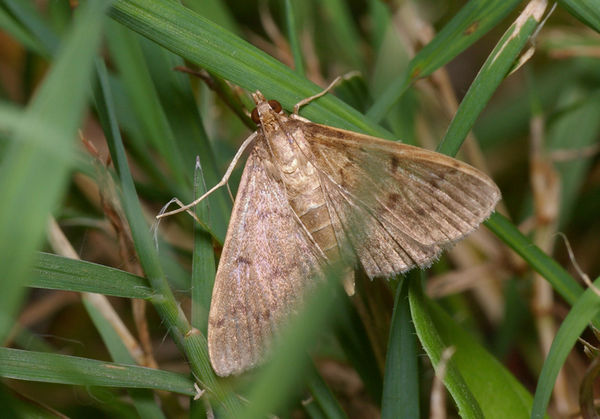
(482, 379)
(493, 71)
(35, 165)
(434, 344)
(401, 381)
(201, 41)
(60, 273)
(560, 279)
(582, 312)
(474, 20)
(203, 259)
(53, 368)
(588, 11)
(193, 343)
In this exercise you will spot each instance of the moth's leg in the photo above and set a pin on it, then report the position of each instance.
(163, 210)
(334, 83)
(221, 183)
(230, 194)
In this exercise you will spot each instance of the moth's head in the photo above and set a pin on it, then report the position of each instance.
(263, 107)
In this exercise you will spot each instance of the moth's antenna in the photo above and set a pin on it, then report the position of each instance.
(334, 83)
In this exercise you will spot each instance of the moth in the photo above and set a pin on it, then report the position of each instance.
(312, 194)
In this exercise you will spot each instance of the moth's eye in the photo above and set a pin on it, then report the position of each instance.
(254, 116)
(276, 106)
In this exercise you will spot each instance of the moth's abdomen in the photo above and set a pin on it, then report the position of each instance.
(311, 208)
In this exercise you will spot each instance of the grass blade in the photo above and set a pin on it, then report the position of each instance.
(35, 165)
(560, 279)
(193, 343)
(322, 394)
(280, 376)
(583, 311)
(60, 273)
(434, 345)
(203, 261)
(292, 31)
(475, 19)
(493, 71)
(479, 384)
(64, 369)
(401, 380)
(588, 11)
(206, 44)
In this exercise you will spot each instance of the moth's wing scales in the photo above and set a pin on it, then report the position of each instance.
(398, 206)
(266, 265)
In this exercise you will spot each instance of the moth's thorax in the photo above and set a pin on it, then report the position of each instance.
(288, 150)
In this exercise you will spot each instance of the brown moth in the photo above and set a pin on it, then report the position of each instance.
(308, 193)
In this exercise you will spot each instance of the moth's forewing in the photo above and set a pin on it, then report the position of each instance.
(264, 271)
(399, 206)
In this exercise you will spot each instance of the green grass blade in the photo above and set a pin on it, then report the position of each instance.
(60, 273)
(15, 406)
(478, 382)
(14, 28)
(351, 333)
(280, 376)
(322, 394)
(588, 11)
(498, 392)
(143, 399)
(474, 20)
(216, 11)
(292, 31)
(133, 72)
(580, 117)
(434, 344)
(179, 104)
(560, 279)
(493, 71)
(203, 260)
(208, 45)
(139, 229)
(35, 165)
(343, 32)
(401, 381)
(507, 119)
(64, 369)
(30, 18)
(583, 311)
(194, 344)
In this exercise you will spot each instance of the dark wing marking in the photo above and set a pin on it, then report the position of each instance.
(396, 205)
